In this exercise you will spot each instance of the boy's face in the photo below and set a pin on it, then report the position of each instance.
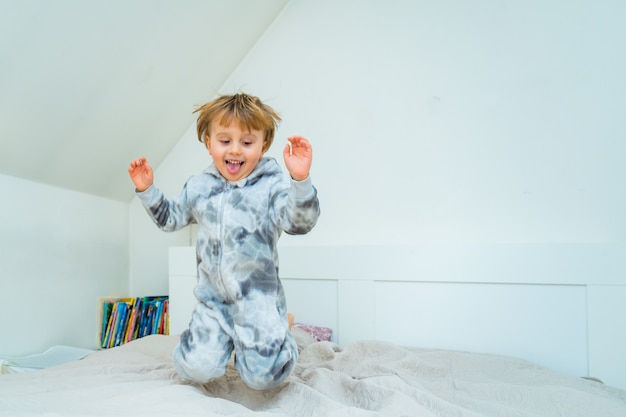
(235, 152)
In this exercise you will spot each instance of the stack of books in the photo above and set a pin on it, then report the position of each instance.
(126, 319)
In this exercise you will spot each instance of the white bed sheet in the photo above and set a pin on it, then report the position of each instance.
(363, 379)
(56, 355)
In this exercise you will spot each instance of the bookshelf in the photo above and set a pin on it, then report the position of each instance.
(123, 319)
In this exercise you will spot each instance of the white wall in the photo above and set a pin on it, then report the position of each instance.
(59, 251)
(452, 123)
(440, 122)
(148, 244)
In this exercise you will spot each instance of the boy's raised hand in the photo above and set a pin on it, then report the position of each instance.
(141, 174)
(298, 157)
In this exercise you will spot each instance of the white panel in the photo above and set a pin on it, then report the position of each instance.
(182, 260)
(544, 324)
(495, 263)
(182, 280)
(607, 334)
(313, 302)
(182, 302)
(356, 311)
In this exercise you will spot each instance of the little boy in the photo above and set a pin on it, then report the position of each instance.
(241, 203)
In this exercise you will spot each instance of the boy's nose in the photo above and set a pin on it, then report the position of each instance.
(236, 147)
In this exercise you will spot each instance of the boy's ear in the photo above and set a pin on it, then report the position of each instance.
(207, 141)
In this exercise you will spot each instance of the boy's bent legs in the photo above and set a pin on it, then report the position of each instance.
(204, 349)
(265, 350)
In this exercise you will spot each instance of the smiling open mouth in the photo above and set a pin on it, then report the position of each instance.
(233, 166)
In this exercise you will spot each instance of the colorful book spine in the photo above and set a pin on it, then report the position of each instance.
(121, 320)
(107, 307)
(130, 331)
(110, 326)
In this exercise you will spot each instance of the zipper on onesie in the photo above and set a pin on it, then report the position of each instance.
(223, 199)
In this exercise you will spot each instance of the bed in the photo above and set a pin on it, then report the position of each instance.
(397, 347)
(365, 378)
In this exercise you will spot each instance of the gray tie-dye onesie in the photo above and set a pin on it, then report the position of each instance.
(241, 303)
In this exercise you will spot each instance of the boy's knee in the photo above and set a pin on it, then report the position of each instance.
(199, 373)
(199, 365)
(261, 371)
(266, 380)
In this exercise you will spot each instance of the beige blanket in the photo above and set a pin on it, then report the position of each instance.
(363, 379)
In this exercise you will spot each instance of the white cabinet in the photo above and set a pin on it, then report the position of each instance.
(182, 279)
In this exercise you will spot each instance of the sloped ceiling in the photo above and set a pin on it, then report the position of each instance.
(85, 85)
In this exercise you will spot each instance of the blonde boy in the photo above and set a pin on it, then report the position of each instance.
(242, 203)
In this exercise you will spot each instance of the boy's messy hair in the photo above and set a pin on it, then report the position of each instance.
(246, 110)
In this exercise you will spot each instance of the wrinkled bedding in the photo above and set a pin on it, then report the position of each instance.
(367, 378)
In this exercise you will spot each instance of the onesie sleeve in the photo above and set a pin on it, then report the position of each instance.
(297, 209)
(168, 215)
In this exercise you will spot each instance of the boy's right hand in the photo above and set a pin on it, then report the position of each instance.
(141, 174)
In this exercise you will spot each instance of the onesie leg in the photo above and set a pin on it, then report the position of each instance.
(265, 367)
(265, 350)
(204, 349)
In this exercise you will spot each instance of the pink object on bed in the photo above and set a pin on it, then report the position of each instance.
(319, 333)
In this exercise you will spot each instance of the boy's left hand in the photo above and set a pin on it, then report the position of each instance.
(298, 157)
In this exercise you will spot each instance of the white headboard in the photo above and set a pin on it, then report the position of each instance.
(561, 306)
